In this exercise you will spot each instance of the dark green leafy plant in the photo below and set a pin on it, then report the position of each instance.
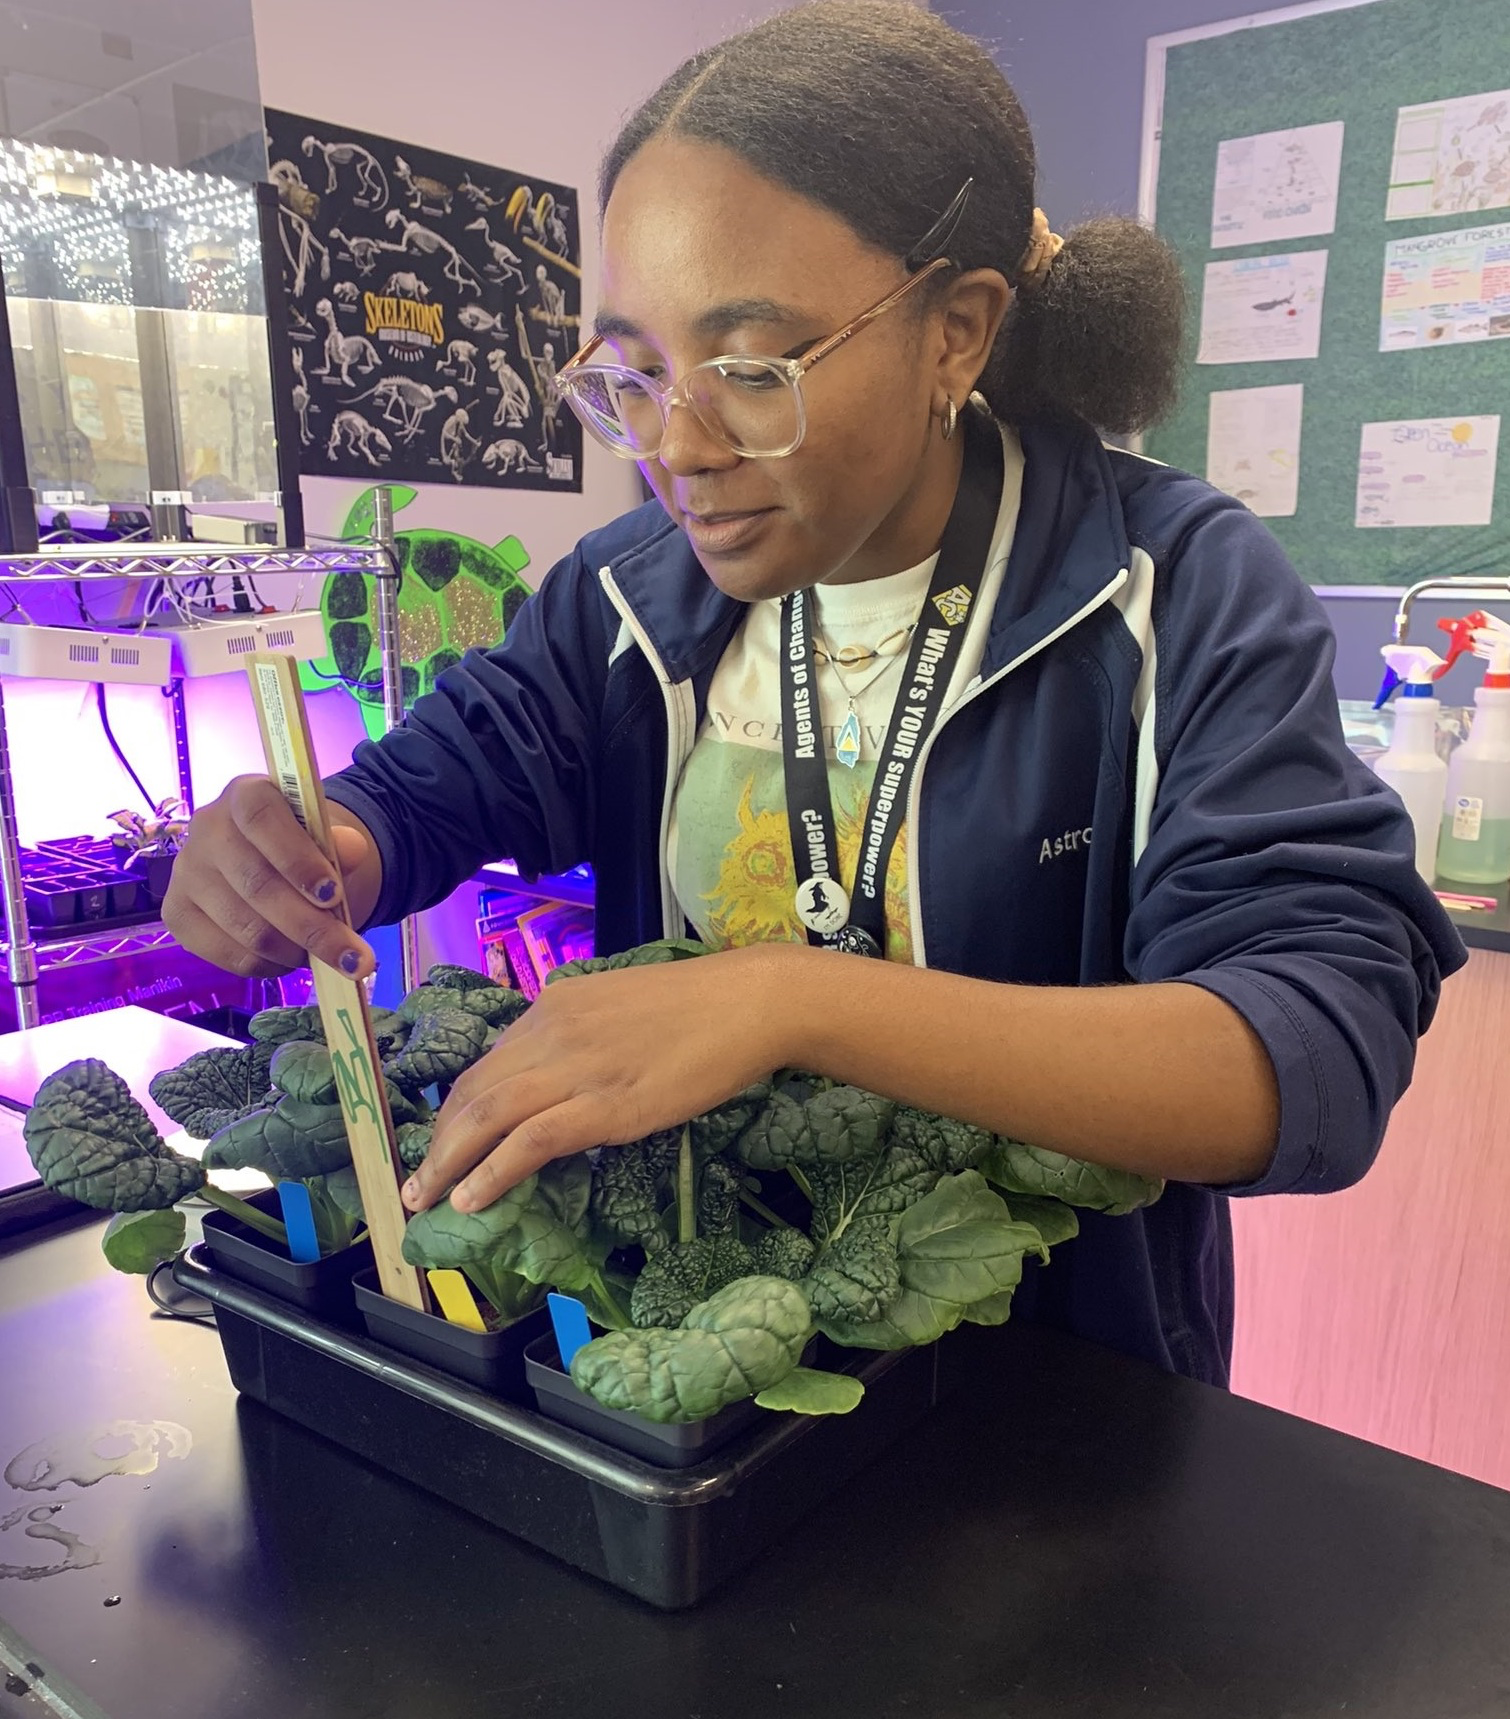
(1019, 1169)
(442, 1044)
(214, 1087)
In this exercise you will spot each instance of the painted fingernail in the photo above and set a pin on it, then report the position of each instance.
(411, 1192)
(351, 959)
(325, 891)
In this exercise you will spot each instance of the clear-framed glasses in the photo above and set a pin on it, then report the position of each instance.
(753, 405)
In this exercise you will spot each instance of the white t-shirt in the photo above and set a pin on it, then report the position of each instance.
(729, 848)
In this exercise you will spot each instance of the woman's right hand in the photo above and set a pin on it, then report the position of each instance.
(252, 893)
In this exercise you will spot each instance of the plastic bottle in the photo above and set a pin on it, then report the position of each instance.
(1475, 844)
(1411, 765)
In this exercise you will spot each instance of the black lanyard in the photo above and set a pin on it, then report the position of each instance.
(831, 917)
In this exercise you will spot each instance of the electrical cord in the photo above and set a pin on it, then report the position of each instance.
(115, 745)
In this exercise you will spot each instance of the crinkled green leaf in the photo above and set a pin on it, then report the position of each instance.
(91, 1141)
(565, 1186)
(718, 1129)
(1054, 1221)
(453, 978)
(808, 1121)
(280, 1026)
(677, 1278)
(413, 1142)
(739, 1342)
(718, 1192)
(140, 1241)
(627, 1193)
(646, 955)
(1020, 1169)
(304, 1071)
(784, 1253)
(389, 1030)
(292, 1139)
(499, 1005)
(406, 1106)
(444, 1239)
(859, 1276)
(495, 1006)
(213, 1087)
(442, 1044)
(809, 1391)
(776, 1137)
(957, 1248)
(887, 1183)
(948, 1145)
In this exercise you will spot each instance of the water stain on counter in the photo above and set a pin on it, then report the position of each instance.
(121, 1447)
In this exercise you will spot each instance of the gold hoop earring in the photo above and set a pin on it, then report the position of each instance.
(951, 420)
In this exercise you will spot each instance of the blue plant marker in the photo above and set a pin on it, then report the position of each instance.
(569, 1317)
(299, 1221)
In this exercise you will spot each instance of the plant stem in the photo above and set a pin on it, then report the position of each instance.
(686, 1192)
(272, 1228)
(762, 1210)
(802, 1182)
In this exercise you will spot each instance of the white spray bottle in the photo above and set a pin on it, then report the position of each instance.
(1411, 765)
(1475, 846)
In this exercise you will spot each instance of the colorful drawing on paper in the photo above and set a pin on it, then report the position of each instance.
(1450, 157)
(456, 594)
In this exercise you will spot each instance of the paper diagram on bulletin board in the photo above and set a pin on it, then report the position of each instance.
(432, 301)
(1336, 180)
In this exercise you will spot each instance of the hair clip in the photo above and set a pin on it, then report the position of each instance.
(935, 242)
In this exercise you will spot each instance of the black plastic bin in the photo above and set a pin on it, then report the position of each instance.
(491, 1360)
(667, 1536)
(323, 1288)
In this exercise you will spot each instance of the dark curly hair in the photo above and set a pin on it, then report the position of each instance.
(879, 111)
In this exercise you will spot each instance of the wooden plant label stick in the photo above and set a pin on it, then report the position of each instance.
(343, 1002)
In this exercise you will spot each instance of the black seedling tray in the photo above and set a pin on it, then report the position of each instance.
(323, 1288)
(668, 1446)
(81, 882)
(667, 1536)
(491, 1360)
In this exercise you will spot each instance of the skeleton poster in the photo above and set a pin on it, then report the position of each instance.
(431, 302)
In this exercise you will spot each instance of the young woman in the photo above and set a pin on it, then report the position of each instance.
(903, 660)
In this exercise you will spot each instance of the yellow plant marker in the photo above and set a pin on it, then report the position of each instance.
(454, 1293)
(343, 1002)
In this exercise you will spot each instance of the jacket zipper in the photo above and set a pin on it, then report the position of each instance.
(915, 792)
(678, 745)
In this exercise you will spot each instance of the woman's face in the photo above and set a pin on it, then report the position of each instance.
(702, 256)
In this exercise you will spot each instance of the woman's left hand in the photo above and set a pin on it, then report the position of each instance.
(602, 1060)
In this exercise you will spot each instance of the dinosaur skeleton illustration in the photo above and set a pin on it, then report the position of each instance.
(552, 299)
(425, 240)
(348, 293)
(299, 246)
(505, 262)
(460, 361)
(364, 252)
(543, 375)
(479, 321)
(303, 406)
(507, 455)
(479, 194)
(406, 285)
(548, 217)
(457, 443)
(299, 325)
(514, 395)
(359, 437)
(424, 193)
(405, 402)
(344, 350)
(372, 182)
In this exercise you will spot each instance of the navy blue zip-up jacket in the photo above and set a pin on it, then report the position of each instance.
(1148, 781)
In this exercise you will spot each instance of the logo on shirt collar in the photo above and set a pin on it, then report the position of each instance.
(954, 604)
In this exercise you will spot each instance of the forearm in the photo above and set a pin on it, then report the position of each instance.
(1166, 1080)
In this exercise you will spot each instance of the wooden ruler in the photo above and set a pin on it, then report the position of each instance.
(343, 1002)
